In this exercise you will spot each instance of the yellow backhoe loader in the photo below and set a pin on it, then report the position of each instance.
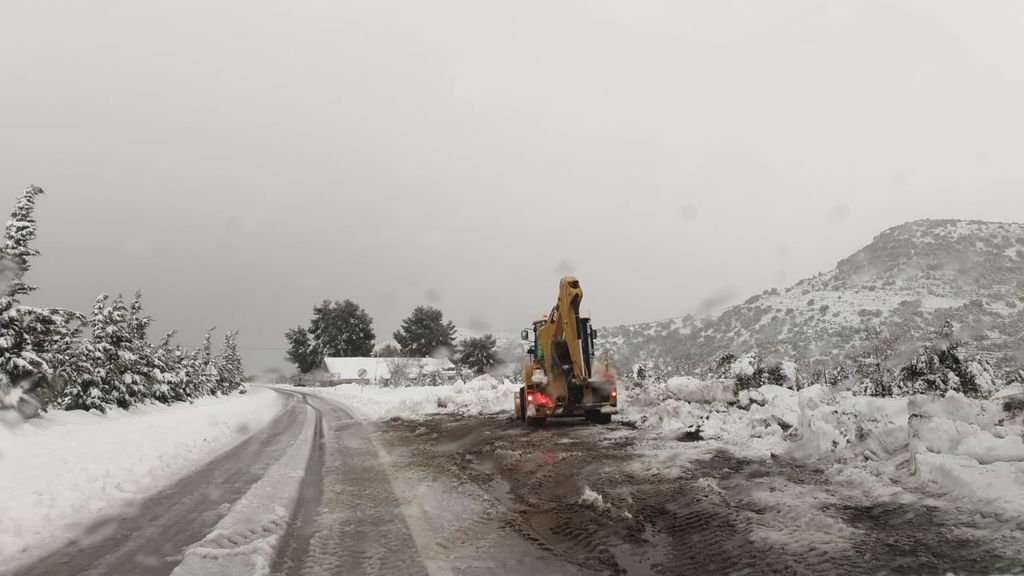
(563, 379)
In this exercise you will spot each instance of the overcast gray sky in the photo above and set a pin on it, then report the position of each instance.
(240, 161)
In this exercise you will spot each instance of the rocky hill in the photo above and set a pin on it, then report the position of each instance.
(893, 293)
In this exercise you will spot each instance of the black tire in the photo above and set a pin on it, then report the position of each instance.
(536, 422)
(522, 404)
(597, 417)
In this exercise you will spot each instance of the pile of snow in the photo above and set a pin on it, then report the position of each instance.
(594, 500)
(952, 445)
(755, 422)
(64, 470)
(482, 395)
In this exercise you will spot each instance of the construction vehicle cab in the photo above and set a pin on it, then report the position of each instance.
(563, 379)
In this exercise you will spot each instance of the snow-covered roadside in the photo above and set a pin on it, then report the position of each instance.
(62, 471)
(953, 449)
(482, 395)
(245, 541)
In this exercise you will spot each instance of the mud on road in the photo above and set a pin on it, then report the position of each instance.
(611, 500)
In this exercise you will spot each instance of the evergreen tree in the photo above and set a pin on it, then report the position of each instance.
(424, 332)
(939, 367)
(479, 355)
(16, 251)
(81, 388)
(300, 349)
(340, 329)
(21, 367)
(145, 354)
(337, 329)
(208, 376)
(56, 333)
(195, 374)
(229, 365)
(172, 381)
(124, 369)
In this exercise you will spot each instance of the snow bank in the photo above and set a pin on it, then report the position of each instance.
(62, 471)
(246, 540)
(482, 395)
(963, 448)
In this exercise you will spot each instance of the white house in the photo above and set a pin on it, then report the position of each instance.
(376, 370)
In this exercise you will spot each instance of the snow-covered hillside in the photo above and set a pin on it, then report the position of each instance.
(905, 283)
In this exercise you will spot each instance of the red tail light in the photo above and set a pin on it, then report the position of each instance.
(540, 398)
(615, 393)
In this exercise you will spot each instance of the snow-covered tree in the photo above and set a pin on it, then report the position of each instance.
(56, 334)
(195, 374)
(21, 366)
(941, 367)
(204, 371)
(126, 369)
(82, 388)
(229, 364)
(169, 371)
(16, 251)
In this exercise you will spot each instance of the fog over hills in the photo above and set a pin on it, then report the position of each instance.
(901, 287)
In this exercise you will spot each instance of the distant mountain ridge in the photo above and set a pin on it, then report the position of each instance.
(905, 284)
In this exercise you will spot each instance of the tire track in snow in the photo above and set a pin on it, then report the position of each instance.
(359, 526)
(150, 540)
(302, 526)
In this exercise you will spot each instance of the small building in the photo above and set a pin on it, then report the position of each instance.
(378, 370)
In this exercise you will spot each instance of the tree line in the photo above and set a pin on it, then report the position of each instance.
(345, 329)
(53, 357)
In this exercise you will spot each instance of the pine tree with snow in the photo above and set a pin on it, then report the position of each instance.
(207, 377)
(171, 376)
(196, 384)
(16, 251)
(82, 388)
(229, 365)
(21, 366)
(940, 367)
(126, 369)
(56, 333)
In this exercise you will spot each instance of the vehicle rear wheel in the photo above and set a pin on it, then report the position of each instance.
(597, 417)
(535, 422)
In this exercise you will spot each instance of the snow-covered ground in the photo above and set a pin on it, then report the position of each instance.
(958, 450)
(482, 395)
(62, 471)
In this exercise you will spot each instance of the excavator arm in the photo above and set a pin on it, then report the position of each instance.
(561, 333)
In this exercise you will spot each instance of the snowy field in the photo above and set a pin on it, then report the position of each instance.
(65, 470)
